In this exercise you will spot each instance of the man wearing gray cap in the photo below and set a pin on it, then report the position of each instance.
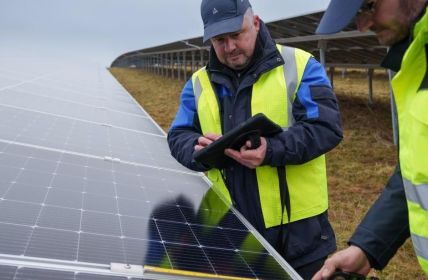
(402, 208)
(281, 186)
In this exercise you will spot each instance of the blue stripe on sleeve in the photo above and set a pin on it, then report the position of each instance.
(304, 95)
(187, 108)
(314, 75)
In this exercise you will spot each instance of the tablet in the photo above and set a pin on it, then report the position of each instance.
(256, 126)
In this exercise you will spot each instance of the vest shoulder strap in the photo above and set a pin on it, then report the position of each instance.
(198, 78)
(295, 61)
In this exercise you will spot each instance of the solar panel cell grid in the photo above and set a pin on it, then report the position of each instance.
(7, 272)
(14, 238)
(53, 244)
(86, 178)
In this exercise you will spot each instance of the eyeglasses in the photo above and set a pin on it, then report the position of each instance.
(368, 7)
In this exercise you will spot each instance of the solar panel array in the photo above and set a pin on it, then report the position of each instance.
(86, 180)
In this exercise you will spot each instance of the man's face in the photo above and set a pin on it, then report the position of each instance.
(387, 18)
(236, 49)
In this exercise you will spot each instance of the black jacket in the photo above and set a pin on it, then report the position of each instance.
(313, 134)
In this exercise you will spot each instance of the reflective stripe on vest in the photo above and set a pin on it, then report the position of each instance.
(421, 245)
(291, 78)
(412, 102)
(273, 95)
(417, 193)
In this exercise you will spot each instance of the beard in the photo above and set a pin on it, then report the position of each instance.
(237, 60)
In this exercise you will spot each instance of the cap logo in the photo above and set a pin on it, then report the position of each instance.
(215, 11)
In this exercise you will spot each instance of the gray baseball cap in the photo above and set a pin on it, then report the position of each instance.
(338, 15)
(222, 16)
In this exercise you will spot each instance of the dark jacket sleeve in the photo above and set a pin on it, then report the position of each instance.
(317, 128)
(185, 130)
(386, 225)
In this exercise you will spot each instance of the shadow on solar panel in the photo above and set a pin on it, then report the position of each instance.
(208, 242)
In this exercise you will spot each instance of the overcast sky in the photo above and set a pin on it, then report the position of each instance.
(105, 29)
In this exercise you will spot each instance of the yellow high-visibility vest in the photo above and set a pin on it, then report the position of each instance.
(412, 109)
(273, 95)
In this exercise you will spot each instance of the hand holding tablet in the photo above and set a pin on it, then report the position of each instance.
(256, 126)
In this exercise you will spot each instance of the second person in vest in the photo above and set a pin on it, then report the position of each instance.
(280, 187)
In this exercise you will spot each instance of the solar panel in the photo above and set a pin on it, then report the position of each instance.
(88, 190)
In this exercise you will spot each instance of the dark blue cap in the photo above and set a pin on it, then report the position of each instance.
(338, 15)
(222, 16)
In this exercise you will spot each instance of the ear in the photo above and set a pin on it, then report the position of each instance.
(256, 22)
(364, 22)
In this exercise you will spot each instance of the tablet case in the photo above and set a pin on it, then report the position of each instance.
(254, 127)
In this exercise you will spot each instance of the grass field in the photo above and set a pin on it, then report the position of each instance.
(357, 169)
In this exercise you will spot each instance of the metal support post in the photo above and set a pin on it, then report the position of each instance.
(332, 76)
(370, 84)
(185, 66)
(178, 66)
(172, 65)
(193, 61)
(322, 45)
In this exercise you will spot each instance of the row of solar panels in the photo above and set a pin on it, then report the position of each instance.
(86, 181)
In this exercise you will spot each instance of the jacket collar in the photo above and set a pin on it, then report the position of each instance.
(395, 55)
